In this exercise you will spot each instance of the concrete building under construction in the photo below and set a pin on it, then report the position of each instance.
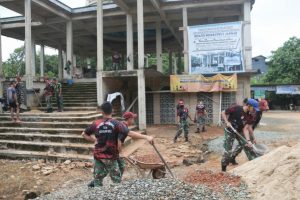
(134, 28)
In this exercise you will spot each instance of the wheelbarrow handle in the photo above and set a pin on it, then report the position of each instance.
(163, 160)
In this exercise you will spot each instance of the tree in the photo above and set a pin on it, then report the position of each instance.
(284, 66)
(15, 63)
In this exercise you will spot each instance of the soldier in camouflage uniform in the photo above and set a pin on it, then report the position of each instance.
(110, 135)
(237, 116)
(252, 123)
(58, 95)
(182, 120)
(48, 93)
(106, 152)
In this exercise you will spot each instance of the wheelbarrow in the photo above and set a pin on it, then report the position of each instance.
(158, 170)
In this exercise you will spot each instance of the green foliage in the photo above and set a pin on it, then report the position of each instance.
(284, 66)
(15, 63)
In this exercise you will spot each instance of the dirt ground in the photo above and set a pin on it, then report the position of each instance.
(19, 177)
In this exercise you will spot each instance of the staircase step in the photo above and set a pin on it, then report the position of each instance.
(9, 150)
(55, 114)
(26, 130)
(77, 104)
(21, 154)
(53, 118)
(41, 130)
(73, 108)
(42, 137)
(57, 147)
(39, 124)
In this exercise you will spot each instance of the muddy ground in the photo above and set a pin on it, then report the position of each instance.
(277, 128)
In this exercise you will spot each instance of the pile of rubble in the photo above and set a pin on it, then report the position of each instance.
(146, 189)
(44, 168)
(275, 175)
(213, 180)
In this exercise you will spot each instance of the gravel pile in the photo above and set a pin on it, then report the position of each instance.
(265, 137)
(148, 189)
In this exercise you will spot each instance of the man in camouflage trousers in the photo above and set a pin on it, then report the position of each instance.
(106, 151)
(58, 95)
(110, 135)
(48, 93)
(182, 120)
(236, 117)
(251, 124)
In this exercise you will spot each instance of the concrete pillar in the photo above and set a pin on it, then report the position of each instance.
(42, 56)
(130, 61)
(28, 45)
(69, 48)
(140, 27)
(74, 61)
(159, 47)
(141, 63)
(33, 68)
(100, 52)
(1, 69)
(64, 59)
(247, 36)
(216, 108)
(185, 40)
(60, 64)
(141, 99)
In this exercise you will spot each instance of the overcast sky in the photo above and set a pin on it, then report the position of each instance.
(273, 22)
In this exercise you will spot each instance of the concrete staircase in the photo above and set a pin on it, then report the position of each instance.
(53, 136)
(78, 97)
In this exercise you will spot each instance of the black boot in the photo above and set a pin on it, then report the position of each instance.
(175, 139)
(233, 161)
(91, 184)
(186, 139)
(198, 130)
(224, 168)
(203, 129)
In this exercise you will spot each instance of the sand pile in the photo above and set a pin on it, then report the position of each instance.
(275, 175)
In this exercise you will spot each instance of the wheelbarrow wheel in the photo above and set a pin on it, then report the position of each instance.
(159, 173)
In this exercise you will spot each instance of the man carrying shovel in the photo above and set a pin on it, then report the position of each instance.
(108, 132)
(251, 124)
(235, 118)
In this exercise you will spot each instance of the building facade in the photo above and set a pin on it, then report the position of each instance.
(259, 64)
(133, 28)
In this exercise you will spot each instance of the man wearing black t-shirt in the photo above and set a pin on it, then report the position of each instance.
(237, 117)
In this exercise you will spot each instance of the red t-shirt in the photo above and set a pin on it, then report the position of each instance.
(107, 132)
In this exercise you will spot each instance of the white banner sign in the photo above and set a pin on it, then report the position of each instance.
(216, 48)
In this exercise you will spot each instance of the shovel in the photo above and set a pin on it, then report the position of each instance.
(163, 160)
(244, 140)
